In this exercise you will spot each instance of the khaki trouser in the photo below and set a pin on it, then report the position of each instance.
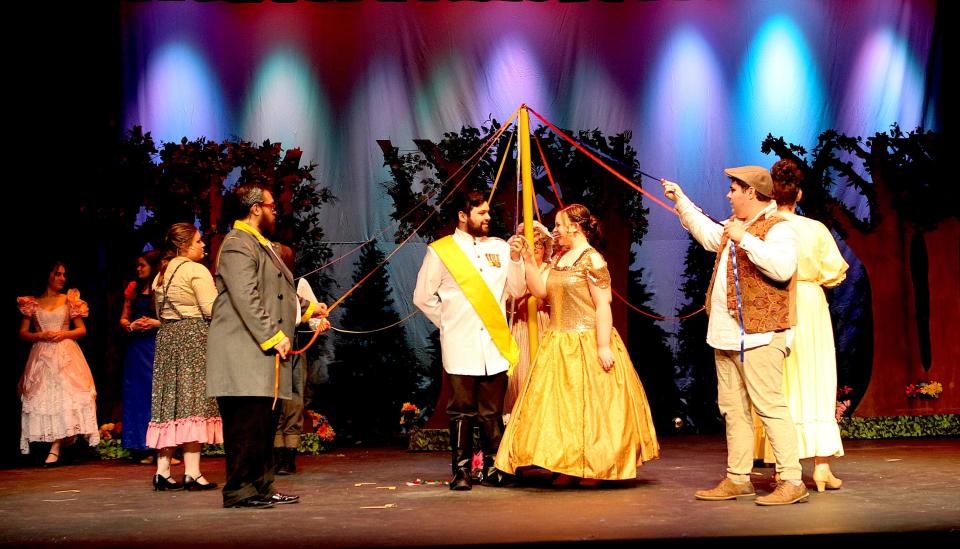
(290, 423)
(759, 381)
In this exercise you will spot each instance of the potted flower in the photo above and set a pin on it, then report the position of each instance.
(411, 418)
(925, 390)
(110, 446)
(843, 402)
(318, 436)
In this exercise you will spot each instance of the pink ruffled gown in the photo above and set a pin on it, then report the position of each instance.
(57, 391)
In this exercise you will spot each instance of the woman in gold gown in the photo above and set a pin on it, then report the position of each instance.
(582, 412)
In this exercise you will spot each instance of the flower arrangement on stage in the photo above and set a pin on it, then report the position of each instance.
(109, 446)
(927, 390)
(411, 417)
(321, 439)
(211, 450)
(843, 404)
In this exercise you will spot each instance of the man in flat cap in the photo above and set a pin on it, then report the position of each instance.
(751, 306)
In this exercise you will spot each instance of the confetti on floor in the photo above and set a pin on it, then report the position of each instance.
(421, 482)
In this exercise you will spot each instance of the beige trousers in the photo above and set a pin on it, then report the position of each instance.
(758, 381)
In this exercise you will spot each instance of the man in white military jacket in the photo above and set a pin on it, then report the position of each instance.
(463, 286)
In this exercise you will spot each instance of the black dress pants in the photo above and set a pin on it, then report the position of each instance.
(478, 397)
(249, 426)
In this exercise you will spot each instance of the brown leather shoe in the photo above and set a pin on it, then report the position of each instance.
(784, 494)
(727, 489)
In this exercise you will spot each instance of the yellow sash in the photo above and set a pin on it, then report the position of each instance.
(479, 296)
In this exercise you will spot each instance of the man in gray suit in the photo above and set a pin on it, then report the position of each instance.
(254, 315)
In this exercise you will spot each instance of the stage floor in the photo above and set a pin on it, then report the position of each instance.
(904, 489)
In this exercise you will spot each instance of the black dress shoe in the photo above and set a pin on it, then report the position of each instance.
(191, 484)
(161, 483)
(280, 499)
(255, 502)
(493, 477)
(461, 480)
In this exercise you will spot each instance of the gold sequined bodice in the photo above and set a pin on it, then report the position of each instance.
(568, 291)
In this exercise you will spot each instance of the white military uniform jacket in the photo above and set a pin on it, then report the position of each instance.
(466, 345)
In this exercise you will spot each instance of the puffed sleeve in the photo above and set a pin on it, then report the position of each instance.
(27, 305)
(833, 268)
(597, 272)
(77, 306)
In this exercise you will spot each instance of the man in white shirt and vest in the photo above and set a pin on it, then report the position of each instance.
(463, 287)
(751, 305)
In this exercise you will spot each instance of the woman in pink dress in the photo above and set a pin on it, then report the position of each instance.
(56, 389)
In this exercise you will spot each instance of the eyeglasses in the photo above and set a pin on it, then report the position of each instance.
(271, 206)
(540, 245)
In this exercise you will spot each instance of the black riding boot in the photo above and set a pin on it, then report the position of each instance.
(461, 441)
(280, 461)
(287, 464)
(491, 431)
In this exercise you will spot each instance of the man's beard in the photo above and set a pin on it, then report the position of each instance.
(477, 230)
(267, 226)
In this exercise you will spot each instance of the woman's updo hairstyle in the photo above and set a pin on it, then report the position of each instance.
(589, 224)
(179, 236)
(787, 178)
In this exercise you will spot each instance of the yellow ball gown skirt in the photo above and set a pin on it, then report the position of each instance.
(572, 417)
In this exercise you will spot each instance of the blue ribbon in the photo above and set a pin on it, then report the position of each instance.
(736, 284)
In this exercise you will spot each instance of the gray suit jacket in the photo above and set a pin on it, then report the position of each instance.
(255, 307)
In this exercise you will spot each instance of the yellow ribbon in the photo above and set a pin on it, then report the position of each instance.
(478, 294)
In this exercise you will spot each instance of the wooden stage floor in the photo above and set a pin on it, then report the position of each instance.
(894, 490)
